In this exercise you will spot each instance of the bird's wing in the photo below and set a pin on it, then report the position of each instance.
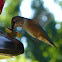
(45, 35)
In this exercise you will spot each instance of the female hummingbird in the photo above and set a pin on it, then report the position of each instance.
(31, 28)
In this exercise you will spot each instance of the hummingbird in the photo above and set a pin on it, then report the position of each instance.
(31, 28)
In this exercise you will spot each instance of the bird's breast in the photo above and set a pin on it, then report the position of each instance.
(32, 29)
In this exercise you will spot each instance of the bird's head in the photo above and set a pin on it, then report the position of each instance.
(17, 21)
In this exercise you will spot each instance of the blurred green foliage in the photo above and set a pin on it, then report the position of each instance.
(39, 51)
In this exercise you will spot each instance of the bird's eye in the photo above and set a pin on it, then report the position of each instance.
(14, 20)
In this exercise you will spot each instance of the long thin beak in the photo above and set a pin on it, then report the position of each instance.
(12, 27)
(12, 24)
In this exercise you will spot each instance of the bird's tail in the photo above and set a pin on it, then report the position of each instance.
(48, 41)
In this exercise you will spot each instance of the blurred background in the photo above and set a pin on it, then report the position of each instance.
(48, 14)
